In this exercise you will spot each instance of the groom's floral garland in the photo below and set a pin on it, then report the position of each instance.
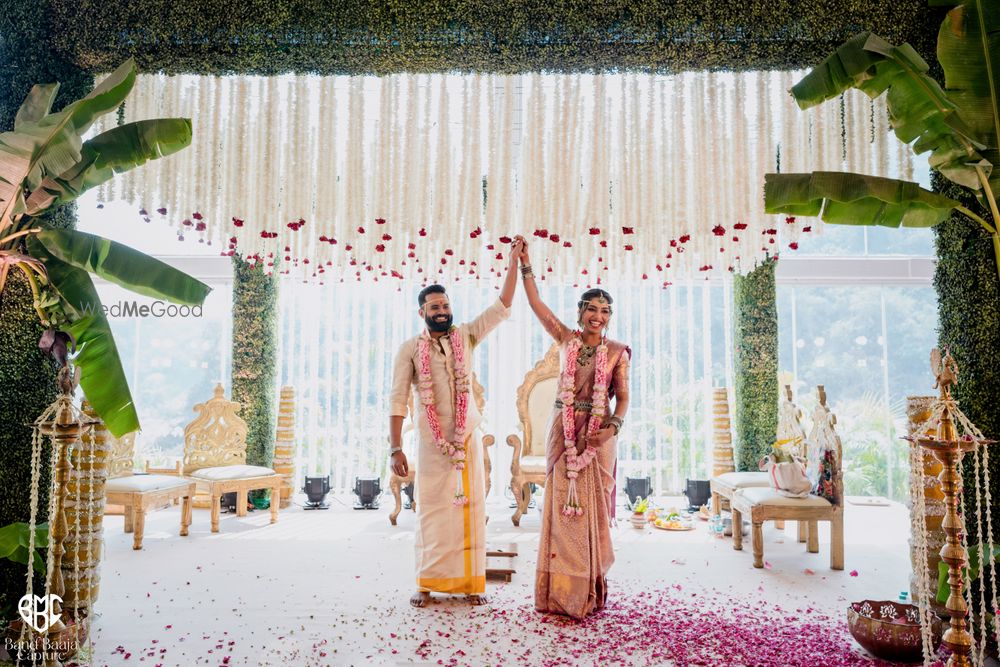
(577, 462)
(456, 448)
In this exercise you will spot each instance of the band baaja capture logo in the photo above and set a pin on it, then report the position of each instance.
(37, 612)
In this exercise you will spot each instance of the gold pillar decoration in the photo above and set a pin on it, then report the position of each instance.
(284, 444)
(63, 424)
(722, 433)
(918, 412)
(946, 445)
(89, 471)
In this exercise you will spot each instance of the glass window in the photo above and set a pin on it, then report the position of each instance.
(869, 346)
(172, 361)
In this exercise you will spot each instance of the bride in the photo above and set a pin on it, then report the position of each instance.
(575, 552)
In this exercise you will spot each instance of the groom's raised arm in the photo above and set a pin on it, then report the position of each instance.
(499, 311)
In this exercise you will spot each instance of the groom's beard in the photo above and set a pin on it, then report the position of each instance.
(439, 323)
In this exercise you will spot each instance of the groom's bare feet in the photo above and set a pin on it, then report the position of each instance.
(477, 600)
(420, 599)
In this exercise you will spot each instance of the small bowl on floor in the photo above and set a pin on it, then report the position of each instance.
(890, 630)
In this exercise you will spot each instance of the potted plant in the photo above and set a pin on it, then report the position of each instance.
(639, 508)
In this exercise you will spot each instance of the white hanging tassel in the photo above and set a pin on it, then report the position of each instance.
(461, 497)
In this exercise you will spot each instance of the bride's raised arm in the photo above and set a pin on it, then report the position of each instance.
(556, 329)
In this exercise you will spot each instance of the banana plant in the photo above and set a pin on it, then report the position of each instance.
(45, 162)
(959, 125)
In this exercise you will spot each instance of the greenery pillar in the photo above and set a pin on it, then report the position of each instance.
(27, 377)
(969, 325)
(255, 348)
(755, 320)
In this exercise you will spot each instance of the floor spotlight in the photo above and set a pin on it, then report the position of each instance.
(636, 487)
(316, 489)
(698, 492)
(368, 490)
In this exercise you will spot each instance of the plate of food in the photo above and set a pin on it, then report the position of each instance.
(673, 521)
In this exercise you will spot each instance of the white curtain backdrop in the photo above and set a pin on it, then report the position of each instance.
(338, 347)
(422, 176)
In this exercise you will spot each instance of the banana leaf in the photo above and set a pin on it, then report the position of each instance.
(115, 151)
(969, 53)
(51, 145)
(123, 266)
(102, 376)
(37, 104)
(855, 199)
(920, 112)
(975, 558)
(14, 543)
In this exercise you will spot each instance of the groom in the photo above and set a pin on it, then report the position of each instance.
(450, 481)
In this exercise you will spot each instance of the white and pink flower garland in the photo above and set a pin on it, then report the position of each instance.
(575, 463)
(456, 448)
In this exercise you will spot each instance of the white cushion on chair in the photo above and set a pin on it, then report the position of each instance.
(533, 465)
(224, 473)
(143, 483)
(743, 480)
(768, 496)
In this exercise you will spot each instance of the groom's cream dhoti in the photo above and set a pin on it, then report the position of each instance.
(450, 538)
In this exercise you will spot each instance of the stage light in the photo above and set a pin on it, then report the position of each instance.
(698, 492)
(316, 489)
(368, 490)
(636, 487)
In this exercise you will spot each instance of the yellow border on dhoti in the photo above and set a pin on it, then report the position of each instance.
(467, 518)
(467, 585)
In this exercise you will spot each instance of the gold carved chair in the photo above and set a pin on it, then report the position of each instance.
(138, 493)
(397, 482)
(215, 457)
(535, 400)
(765, 504)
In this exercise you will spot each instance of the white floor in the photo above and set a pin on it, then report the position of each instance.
(331, 588)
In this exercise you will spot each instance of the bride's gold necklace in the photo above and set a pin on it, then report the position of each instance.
(585, 354)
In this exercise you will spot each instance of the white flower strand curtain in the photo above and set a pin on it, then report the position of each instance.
(338, 346)
(422, 176)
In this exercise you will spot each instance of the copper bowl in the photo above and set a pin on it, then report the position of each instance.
(890, 630)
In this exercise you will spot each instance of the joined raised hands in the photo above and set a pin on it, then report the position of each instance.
(519, 249)
(515, 250)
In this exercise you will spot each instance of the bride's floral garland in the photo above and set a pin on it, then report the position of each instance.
(456, 448)
(577, 462)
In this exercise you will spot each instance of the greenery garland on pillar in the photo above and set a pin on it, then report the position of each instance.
(969, 325)
(255, 349)
(755, 322)
(27, 377)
